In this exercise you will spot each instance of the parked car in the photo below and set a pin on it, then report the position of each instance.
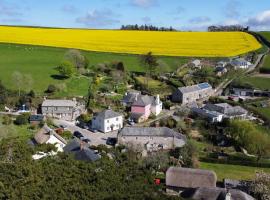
(111, 141)
(63, 126)
(86, 140)
(78, 134)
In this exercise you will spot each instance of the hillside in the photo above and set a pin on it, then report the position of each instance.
(197, 44)
(266, 34)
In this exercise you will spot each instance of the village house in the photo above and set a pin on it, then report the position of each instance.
(240, 63)
(150, 138)
(61, 109)
(142, 106)
(196, 64)
(47, 136)
(189, 94)
(220, 71)
(210, 116)
(81, 151)
(179, 179)
(107, 121)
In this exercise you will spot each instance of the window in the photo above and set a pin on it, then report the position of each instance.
(116, 118)
(55, 108)
(108, 121)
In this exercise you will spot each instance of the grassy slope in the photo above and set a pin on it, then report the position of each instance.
(233, 171)
(258, 82)
(266, 34)
(40, 62)
(266, 63)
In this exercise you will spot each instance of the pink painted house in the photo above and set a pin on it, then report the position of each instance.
(143, 106)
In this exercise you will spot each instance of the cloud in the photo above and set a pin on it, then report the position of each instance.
(69, 9)
(144, 3)
(200, 20)
(232, 8)
(229, 22)
(260, 21)
(146, 19)
(7, 9)
(99, 18)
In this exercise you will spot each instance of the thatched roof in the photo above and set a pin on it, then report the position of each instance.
(44, 134)
(215, 193)
(190, 178)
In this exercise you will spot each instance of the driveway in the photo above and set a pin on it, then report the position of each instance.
(95, 138)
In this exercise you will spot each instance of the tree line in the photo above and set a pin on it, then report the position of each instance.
(228, 28)
(146, 28)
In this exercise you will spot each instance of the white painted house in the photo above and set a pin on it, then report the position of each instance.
(107, 121)
(240, 63)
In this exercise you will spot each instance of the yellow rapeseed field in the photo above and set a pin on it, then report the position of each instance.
(199, 44)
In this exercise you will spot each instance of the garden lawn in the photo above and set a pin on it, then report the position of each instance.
(40, 63)
(7, 131)
(154, 86)
(233, 171)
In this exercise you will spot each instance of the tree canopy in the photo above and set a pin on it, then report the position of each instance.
(62, 177)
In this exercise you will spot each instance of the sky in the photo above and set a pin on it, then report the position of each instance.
(195, 15)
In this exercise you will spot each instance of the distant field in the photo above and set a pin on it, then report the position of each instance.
(40, 62)
(197, 44)
(233, 171)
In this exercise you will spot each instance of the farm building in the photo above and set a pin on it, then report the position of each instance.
(228, 111)
(150, 138)
(61, 109)
(189, 94)
(107, 121)
(196, 64)
(179, 179)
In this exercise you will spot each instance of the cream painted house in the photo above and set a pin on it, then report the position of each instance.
(107, 121)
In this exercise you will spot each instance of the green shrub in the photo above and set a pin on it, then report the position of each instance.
(22, 119)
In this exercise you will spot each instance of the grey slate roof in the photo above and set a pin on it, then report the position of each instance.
(131, 96)
(214, 193)
(150, 131)
(144, 100)
(85, 154)
(190, 178)
(58, 103)
(194, 88)
(108, 114)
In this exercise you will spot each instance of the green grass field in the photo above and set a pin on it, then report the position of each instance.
(233, 171)
(266, 34)
(258, 82)
(265, 68)
(40, 63)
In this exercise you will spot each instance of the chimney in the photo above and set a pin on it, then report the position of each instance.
(157, 99)
(136, 97)
(81, 145)
(228, 196)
